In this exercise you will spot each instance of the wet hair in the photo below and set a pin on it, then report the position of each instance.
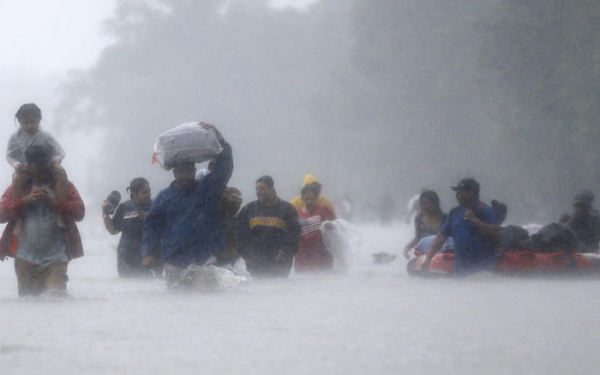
(430, 195)
(136, 184)
(267, 180)
(38, 154)
(313, 187)
(29, 110)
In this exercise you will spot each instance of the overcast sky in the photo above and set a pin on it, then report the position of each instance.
(42, 40)
(43, 36)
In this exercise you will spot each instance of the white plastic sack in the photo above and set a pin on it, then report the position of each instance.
(186, 142)
(340, 237)
(210, 278)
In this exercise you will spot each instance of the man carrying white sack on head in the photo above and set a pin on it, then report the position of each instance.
(185, 216)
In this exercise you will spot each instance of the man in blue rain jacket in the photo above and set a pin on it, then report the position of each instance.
(184, 220)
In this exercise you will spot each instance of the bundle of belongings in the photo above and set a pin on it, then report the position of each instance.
(552, 238)
(188, 142)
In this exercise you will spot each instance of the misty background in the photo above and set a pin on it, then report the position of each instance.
(375, 98)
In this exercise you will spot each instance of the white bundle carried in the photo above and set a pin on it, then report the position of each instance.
(340, 237)
(186, 142)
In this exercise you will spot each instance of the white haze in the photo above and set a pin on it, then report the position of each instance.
(374, 320)
(43, 42)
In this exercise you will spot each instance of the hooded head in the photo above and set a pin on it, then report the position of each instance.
(309, 179)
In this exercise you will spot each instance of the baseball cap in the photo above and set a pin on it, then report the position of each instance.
(469, 184)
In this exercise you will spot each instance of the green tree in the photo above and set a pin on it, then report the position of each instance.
(247, 68)
(547, 56)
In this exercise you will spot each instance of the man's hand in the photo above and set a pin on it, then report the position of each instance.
(407, 252)
(148, 261)
(470, 216)
(207, 126)
(37, 195)
(21, 168)
(483, 227)
(425, 265)
(59, 173)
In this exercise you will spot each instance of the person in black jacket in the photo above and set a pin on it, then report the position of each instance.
(268, 232)
(128, 219)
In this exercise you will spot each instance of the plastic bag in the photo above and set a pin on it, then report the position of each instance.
(186, 142)
(340, 237)
(210, 278)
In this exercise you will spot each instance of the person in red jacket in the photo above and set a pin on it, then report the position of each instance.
(42, 249)
(313, 255)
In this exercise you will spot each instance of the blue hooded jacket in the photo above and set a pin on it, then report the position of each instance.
(186, 222)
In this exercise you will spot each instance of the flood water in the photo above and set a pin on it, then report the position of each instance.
(373, 320)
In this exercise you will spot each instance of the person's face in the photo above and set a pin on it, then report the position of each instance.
(41, 171)
(184, 174)
(465, 197)
(309, 199)
(264, 193)
(580, 210)
(427, 206)
(30, 125)
(142, 196)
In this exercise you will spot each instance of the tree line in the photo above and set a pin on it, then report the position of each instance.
(371, 96)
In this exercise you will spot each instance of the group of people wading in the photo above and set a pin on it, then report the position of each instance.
(473, 232)
(197, 221)
(40, 208)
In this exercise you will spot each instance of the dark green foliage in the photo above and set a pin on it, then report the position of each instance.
(372, 96)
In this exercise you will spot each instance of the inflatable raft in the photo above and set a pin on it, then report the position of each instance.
(516, 263)
(551, 250)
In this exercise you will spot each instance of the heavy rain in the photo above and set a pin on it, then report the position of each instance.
(379, 99)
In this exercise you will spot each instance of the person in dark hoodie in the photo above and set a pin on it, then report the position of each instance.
(268, 232)
(185, 217)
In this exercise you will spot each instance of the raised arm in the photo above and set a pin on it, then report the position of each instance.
(438, 242)
(485, 225)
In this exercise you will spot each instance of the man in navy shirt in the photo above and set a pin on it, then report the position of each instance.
(472, 226)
